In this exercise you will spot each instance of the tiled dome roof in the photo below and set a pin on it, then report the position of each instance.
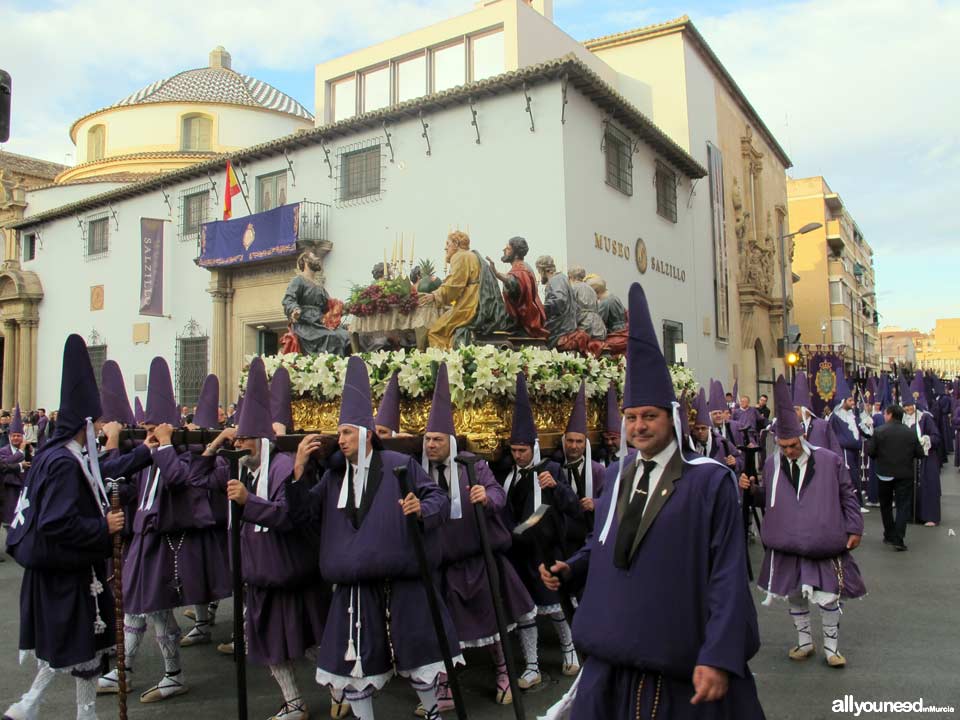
(218, 83)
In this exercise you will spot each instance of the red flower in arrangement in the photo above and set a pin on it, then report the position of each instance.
(383, 297)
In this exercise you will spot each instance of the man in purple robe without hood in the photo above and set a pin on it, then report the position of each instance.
(379, 622)
(286, 600)
(466, 588)
(526, 491)
(848, 427)
(15, 468)
(666, 622)
(61, 535)
(915, 416)
(812, 522)
(707, 441)
(172, 559)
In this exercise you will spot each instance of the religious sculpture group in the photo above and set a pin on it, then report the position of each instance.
(475, 304)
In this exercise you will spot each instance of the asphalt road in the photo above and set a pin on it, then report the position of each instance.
(902, 643)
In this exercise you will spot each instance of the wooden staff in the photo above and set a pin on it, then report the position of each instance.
(118, 602)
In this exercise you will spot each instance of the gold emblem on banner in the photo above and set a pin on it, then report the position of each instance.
(826, 381)
(249, 236)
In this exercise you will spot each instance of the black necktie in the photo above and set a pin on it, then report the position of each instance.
(630, 523)
(795, 474)
(441, 478)
(351, 497)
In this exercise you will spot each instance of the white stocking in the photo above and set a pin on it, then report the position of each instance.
(134, 627)
(562, 627)
(362, 708)
(800, 612)
(168, 638)
(528, 641)
(830, 618)
(86, 698)
(32, 697)
(287, 680)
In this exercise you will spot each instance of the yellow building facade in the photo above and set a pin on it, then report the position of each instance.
(836, 293)
(940, 350)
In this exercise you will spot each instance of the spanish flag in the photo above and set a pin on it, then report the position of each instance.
(232, 188)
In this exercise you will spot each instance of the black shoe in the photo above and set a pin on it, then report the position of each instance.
(887, 541)
(900, 548)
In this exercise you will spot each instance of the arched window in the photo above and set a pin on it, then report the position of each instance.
(96, 142)
(197, 133)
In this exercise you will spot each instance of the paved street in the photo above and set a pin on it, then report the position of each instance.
(900, 642)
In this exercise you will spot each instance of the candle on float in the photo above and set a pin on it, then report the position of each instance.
(401, 248)
(412, 241)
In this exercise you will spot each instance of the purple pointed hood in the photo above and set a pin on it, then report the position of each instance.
(206, 415)
(281, 408)
(801, 391)
(788, 424)
(79, 397)
(717, 401)
(702, 410)
(648, 378)
(524, 429)
(356, 407)
(255, 418)
(16, 422)
(938, 387)
(138, 413)
(919, 391)
(578, 416)
(903, 389)
(161, 404)
(441, 409)
(613, 409)
(884, 392)
(872, 389)
(388, 414)
(113, 395)
(843, 389)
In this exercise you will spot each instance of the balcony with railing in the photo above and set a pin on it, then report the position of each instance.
(835, 240)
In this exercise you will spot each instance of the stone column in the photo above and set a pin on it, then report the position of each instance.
(9, 363)
(27, 371)
(219, 340)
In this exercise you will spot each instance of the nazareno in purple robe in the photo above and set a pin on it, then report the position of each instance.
(286, 599)
(12, 483)
(873, 482)
(62, 542)
(683, 601)
(374, 571)
(466, 588)
(820, 434)
(928, 494)
(805, 533)
(956, 433)
(851, 446)
(577, 521)
(174, 558)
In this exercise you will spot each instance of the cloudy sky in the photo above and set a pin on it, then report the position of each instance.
(862, 93)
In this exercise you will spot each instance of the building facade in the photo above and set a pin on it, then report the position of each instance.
(939, 351)
(898, 347)
(495, 122)
(671, 72)
(836, 292)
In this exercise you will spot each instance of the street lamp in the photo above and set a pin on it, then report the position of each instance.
(809, 227)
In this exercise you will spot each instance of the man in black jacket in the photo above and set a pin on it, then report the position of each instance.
(895, 448)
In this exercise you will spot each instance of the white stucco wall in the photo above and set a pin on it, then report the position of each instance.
(156, 127)
(47, 198)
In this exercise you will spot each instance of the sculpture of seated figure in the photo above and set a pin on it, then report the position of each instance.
(304, 303)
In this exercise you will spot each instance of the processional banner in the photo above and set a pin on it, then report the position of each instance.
(822, 371)
(151, 267)
(265, 235)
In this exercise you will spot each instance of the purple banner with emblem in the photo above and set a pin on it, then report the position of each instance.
(151, 267)
(250, 239)
(822, 372)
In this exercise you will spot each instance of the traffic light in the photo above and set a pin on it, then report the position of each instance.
(5, 95)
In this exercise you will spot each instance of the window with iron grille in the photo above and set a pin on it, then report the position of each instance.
(98, 356)
(271, 191)
(29, 246)
(191, 367)
(360, 173)
(672, 336)
(194, 211)
(98, 236)
(617, 150)
(666, 192)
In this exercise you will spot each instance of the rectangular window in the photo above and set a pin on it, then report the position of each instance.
(191, 368)
(672, 336)
(376, 89)
(360, 173)
(411, 78)
(666, 192)
(487, 55)
(194, 209)
(721, 298)
(271, 191)
(98, 236)
(840, 330)
(618, 150)
(449, 67)
(29, 246)
(836, 292)
(344, 99)
(98, 356)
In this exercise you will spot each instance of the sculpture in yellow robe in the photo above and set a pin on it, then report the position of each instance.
(461, 289)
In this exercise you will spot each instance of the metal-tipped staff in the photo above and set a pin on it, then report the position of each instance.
(239, 642)
(416, 533)
(118, 602)
(493, 577)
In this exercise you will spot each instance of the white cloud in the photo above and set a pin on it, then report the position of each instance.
(71, 58)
